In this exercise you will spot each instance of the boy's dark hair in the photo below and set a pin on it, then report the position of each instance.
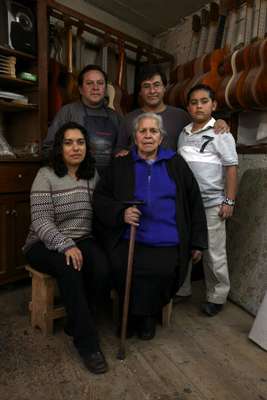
(86, 169)
(147, 72)
(91, 67)
(200, 86)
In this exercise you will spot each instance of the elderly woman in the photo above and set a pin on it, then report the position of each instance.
(171, 223)
(60, 241)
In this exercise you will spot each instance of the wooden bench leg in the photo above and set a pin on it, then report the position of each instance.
(166, 315)
(43, 290)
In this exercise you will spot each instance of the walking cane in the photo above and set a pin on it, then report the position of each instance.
(121, 351)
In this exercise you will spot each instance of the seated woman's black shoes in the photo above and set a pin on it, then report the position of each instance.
(147, 328)
(95, 362)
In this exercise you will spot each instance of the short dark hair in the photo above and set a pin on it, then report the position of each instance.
(86, 169)
(91, 67)
(200, 86)
(147, 72)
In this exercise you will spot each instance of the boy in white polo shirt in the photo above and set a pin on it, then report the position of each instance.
(213, 160)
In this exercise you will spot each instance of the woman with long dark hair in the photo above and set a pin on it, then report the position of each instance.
(60, 240)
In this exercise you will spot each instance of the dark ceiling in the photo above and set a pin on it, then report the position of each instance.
(151, 16)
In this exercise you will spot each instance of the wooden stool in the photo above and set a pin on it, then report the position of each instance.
(166, 310)
(42, 307)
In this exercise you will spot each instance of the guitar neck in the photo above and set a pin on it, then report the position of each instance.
(69, 49)
(249, 20)
(220, 32)
(105, 59)
(196, 27)
(241, 26)
(211, 38)
(262, 19)
(259, 19)
(229, 40)
(204, 32)
(194, 47)
(213, 27)
(121, 67)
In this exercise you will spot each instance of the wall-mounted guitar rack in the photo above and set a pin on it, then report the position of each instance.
(101, 30)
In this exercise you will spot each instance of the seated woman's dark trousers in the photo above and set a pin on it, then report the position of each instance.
(74, 285)
(154, 271)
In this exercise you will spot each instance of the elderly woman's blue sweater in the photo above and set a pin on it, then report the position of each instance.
(153, 185)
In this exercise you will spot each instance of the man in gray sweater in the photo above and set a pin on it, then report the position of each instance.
(151, 87)
(91, 111)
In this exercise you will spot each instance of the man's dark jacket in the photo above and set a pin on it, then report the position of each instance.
(117, 186)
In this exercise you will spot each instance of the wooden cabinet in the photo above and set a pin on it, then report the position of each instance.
(15, 182)
(14, 220)
(22, 127)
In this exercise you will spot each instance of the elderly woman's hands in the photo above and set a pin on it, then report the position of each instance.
(132, 216)
(74, 256)
(196, 256)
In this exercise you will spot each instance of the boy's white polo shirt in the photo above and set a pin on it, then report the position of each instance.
(207, 154)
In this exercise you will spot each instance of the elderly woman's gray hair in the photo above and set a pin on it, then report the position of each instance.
(151, 115)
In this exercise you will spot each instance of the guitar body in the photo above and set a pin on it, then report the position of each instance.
(211, 63)
(232, 79)
(197, 71)
(236, 80)
(111, 93)
(225, 72)
(243, 66)
(261, 82)
(188, 72)
(172, 83)
(251, 91)
(173, 95)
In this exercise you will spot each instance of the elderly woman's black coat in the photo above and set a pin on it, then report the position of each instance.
(117, 186)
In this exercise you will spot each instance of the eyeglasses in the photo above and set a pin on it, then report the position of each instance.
(155, 86)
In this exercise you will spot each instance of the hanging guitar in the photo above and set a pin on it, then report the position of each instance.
(121, 96)
(54, 70)
(182, 72)
(240, 57)
(214, 56)
(225, 70)
(68, 83)
(254, 88)
(110, 90)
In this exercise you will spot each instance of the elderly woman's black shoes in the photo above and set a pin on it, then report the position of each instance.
(95, 362)
(147, 328)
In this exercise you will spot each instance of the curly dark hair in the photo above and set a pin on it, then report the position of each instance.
(86, 169)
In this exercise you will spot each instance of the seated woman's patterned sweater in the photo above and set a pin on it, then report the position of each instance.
(61, 210)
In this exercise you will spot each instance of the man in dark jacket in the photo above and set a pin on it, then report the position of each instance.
(91, 111)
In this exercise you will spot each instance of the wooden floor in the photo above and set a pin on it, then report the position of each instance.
(197, 358)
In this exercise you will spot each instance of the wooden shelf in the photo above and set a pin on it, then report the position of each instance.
(13, 106)
(25, 159)
(7, 81)
(16, 53)
(18, 160)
